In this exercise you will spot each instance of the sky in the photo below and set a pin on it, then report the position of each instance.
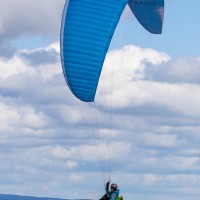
(147, 104)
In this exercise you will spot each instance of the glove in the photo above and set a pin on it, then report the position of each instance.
(107, 185)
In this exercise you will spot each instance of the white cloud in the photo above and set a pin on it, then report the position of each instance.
(9, 117)
(181, 98)
(182, 70)
(71, 164)
(69, 114)
(107, 133)
(13, 67)
(149, 179)
(32, 118)
(160, 140)
(37, 17)
(76, 177)
(123, 81)
(14, 118)
(121, 70)
(188, 163)
(91, 152)
(55, 46)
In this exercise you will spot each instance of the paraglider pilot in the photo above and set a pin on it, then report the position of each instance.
(111, 194)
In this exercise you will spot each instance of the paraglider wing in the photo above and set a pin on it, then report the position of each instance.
(87, 29)
(149, 13)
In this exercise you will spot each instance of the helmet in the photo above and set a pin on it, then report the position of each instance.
(113, 186)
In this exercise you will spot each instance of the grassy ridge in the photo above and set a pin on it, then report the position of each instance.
(16, 197)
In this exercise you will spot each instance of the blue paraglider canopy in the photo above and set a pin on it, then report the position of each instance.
(87, 29)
